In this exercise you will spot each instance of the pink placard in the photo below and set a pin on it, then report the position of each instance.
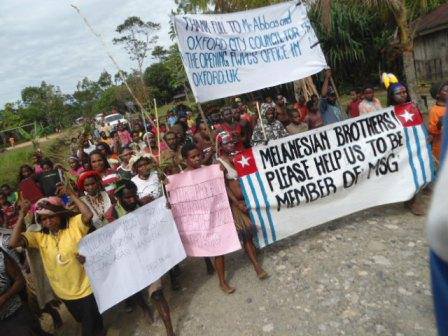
(202, 212)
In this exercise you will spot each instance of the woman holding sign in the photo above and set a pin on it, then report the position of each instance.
(58, 247)
(243, 225)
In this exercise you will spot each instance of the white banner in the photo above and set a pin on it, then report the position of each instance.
(310, 178)
(230, 54)
(132, 252)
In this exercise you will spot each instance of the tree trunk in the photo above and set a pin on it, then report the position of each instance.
(407, 45)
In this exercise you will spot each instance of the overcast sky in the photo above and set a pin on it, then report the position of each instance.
(47, 40)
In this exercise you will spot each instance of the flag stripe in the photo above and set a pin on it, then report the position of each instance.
(430, 158)
(257, 204)
(419, 155)
(250, 210)
(267, 207)
(411, 160)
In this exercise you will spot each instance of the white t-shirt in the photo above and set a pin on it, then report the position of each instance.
(151, 186)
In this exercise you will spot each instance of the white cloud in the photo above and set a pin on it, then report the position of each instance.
(47, 40)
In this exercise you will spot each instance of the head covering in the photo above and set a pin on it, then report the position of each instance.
(84, 175)
(53, 200)
(223, 138)
(134, 159)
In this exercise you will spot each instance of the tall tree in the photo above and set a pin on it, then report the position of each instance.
(159, 53)
(137, 38)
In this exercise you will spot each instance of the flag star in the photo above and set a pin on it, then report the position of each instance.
(407, 116)
(244, 161)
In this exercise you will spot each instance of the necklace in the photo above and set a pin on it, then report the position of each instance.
(59, 258)
(98, 205)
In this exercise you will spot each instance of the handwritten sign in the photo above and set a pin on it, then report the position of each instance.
(130, 253)
(202, 212)
(304, 180)
(230, 54)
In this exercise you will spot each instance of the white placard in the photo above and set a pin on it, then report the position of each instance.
(231, 54)
(132, 252)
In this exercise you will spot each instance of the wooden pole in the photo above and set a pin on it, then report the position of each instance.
(204, 119)
(157, 124)
(261, 122)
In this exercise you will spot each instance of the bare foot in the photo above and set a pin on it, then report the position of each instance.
(227, 289)
(262, 274)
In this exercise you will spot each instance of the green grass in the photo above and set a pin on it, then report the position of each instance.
(11, 160)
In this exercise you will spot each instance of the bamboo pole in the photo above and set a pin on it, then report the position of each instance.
(157, 124)
(261, 122)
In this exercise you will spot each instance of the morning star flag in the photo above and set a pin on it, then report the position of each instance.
(307, 179)
(230, 54)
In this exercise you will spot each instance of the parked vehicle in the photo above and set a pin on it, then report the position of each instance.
(113, 119)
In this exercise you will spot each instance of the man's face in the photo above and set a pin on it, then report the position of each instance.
(129, 199)
(236, 114)
(215, 117)
(194, 158)
(135, 137)
(202, 128)
(295, 118)
(368, 94)
(280, 101)
(331, 99)
(171, 140)
(443, 94)
(353, 95)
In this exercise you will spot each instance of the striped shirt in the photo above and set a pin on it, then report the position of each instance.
(109, 180)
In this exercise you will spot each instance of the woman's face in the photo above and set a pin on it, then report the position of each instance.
(229, 147)
(144, 168)
(91, 186)
(400, 95)
(26, 172)
(126, 156)
(97, 163)
(46, 168)
(74, 164)
(270, 115)
(194, 158)
(51, 222)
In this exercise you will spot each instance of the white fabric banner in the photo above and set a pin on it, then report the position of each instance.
(231, 54)
(132, 252)
(307, 179)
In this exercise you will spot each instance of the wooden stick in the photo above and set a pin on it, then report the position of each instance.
(335, 91)
(261, 122)
(157, 124)
(209, 131)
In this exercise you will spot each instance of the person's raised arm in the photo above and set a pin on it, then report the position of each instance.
(86, 213)
(16, 238)
(18, 282)
(324, 91)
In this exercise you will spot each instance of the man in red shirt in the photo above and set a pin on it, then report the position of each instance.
(353, 106)
(300, 106)
(230, 125)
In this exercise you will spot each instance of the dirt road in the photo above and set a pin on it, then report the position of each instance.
(366, 274)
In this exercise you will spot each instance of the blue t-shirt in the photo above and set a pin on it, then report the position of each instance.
(330, 113)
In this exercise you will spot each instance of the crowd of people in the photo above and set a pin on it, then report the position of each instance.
(112, 172)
